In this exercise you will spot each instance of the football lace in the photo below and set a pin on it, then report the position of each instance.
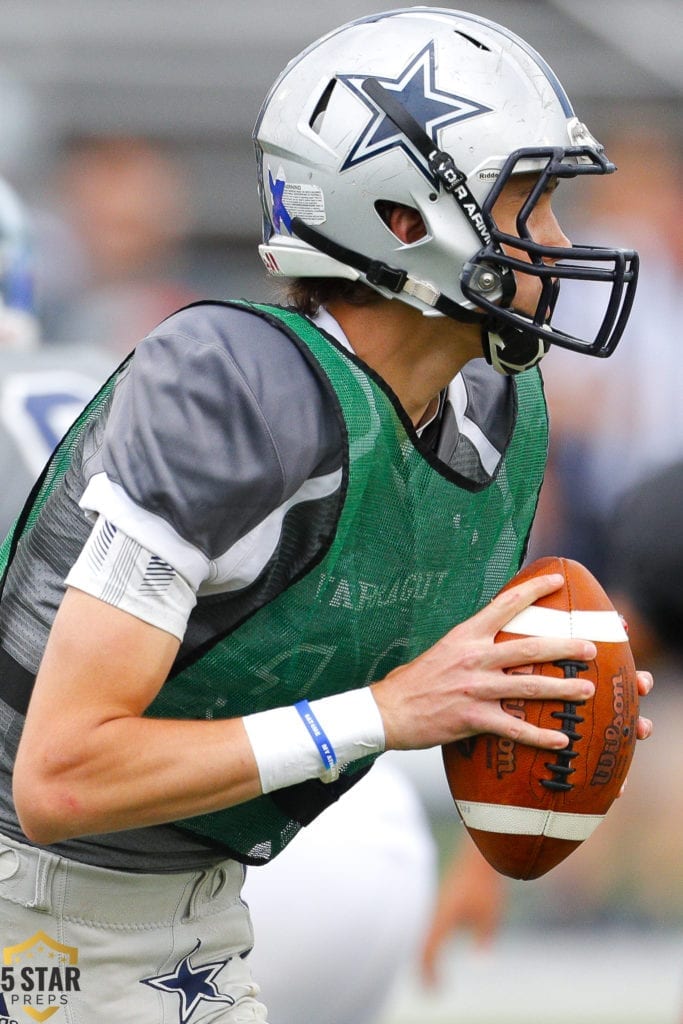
(562, 767)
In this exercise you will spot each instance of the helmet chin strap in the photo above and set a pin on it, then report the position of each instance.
(511, 350)
(382, 275)
(507, 348)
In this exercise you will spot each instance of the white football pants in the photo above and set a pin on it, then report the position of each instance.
(83, 944)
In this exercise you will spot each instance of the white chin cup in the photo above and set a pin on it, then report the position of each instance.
(513, 355)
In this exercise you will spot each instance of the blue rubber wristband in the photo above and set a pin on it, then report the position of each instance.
(318, 735)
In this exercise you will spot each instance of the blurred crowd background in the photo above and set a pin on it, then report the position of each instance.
(125, 128)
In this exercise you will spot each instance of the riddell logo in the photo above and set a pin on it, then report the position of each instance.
(37, 978)
(505, 748)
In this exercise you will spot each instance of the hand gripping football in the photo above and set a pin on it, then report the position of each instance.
(527, 809)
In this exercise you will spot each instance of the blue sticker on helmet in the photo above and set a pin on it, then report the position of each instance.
(279, 213)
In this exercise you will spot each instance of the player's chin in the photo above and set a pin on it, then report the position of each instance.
(529, 297)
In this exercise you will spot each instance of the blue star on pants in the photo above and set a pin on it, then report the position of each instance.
(416, 89)
(192, 984)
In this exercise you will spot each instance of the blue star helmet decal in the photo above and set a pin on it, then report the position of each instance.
(417, 91)
(191, 984)
(279, 212)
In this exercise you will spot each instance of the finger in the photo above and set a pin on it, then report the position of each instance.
(643, 728)
(523, 732)
(645, 683)
(513, 653)
(534, 687)
(509, 603)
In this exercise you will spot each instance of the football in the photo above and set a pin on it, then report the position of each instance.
(527, 809)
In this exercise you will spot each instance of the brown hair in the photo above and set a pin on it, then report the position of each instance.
(308, 294)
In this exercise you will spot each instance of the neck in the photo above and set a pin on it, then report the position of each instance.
(417, 356)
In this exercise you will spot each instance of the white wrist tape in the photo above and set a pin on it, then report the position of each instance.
(314, 741)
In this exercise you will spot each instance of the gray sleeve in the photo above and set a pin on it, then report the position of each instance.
(219, 420)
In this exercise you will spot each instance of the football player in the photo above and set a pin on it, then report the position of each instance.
(270, 548)
(43, 387)
(18, 324)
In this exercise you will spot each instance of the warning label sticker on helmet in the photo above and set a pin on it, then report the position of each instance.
(290, 200)
(305, 201)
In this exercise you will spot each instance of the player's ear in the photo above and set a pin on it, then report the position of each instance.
(405, 222)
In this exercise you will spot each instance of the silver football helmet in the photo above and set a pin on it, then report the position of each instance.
(434, 109)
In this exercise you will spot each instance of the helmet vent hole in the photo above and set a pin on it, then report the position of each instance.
(383, 209)
(470, 39)
(316, 119)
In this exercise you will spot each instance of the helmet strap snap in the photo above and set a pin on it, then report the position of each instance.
(511, 350)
